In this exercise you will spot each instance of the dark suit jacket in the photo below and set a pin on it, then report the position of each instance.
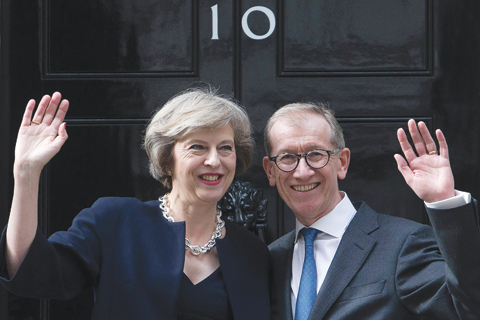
(391, 268)
(133, 258)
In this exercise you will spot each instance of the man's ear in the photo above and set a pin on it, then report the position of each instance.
(268, 166)
(343, 163)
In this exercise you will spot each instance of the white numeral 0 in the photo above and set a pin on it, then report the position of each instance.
(245, 27)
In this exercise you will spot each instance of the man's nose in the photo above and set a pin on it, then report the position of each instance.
(303, 170)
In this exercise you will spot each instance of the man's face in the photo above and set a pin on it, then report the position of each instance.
(310, 193)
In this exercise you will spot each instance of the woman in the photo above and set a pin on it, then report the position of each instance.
(169, 259)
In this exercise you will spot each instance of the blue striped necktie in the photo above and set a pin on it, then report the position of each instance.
(308, 282)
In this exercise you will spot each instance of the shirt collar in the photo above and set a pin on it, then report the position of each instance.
(335, 222)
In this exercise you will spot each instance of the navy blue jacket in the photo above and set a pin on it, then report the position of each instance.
(133, 258)
(393, 269)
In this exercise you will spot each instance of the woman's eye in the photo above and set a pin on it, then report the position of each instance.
(226, 148)
(196, 147)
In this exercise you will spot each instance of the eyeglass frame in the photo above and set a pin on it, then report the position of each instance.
(304, 155)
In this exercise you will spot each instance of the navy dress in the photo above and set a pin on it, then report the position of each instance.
(207, 300)
(133, 258)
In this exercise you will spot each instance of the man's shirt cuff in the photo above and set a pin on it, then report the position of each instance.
(461, 198)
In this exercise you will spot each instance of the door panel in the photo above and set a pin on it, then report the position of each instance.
(121, 38)
(124, 59)
(344, 37)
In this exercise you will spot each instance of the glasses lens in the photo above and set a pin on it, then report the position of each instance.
(287, 161)
(317, 158)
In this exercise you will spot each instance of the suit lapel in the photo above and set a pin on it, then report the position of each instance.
(282, 253)
(288, 286)
(354, 248)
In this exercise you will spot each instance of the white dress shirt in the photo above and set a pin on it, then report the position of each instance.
(333, 226)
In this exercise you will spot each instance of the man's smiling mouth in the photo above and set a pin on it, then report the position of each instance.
(305, 188)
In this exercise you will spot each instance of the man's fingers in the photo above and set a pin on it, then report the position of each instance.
(416, 138)
(405, 145)
(442, 143)
(427, 138)
(403, 168)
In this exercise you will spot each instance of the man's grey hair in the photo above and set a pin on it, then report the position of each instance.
(297, 113)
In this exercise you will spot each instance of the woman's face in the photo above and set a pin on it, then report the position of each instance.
(204, 165)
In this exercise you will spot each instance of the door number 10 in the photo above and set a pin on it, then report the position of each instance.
(245, 27)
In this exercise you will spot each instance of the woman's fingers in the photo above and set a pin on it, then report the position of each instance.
(52, 108)
(27, 115)
(61, 137)
(61, 113)
(50, 111)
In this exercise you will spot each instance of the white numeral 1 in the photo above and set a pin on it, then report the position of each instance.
(215, 22)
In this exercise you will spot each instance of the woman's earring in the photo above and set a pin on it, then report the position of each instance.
(169, 173)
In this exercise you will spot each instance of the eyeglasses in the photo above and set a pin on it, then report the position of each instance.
(316, 159)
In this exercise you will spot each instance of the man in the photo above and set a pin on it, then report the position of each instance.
(364, 265)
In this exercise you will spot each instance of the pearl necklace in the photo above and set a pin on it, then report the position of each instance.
(196, 249)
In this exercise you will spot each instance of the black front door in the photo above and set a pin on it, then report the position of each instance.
(376, 62)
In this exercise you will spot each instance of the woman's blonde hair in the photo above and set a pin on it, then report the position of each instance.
(187, 112)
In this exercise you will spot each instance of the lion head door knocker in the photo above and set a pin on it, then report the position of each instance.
(245, 206)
